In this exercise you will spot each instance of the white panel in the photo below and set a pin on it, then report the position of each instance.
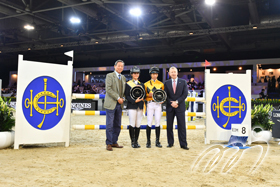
(213, 81)
(27, 72)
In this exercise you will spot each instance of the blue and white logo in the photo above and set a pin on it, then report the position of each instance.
(43, 103)
(228, 105)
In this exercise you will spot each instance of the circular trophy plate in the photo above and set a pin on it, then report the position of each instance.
(136, 92)
(159, 95)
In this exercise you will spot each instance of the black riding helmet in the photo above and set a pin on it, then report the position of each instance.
(154, 70)
(134, 69)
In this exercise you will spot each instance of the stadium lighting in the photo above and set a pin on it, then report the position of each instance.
(210, 2)
(75, 20)
(28, 27)
(135, 12)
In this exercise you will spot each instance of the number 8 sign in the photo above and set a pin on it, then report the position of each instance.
(239, 130)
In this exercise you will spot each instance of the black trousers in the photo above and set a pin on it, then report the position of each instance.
(181, 124)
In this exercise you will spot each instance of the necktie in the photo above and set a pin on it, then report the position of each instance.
(174, 86)
(119, 76)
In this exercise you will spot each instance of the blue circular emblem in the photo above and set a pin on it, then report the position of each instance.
(228, 105)
(43, 103)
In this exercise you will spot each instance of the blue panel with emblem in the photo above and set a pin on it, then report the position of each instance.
(228, 105)
(43, 103)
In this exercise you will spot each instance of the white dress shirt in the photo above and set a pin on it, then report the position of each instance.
(118, 74)
(118, 78)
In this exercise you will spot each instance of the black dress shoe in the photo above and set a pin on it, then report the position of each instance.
(169, 145)
(185, 147)
(148, 145)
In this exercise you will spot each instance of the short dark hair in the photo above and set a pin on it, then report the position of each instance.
(118, 62)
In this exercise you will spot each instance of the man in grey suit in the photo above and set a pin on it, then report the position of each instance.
(115, 87)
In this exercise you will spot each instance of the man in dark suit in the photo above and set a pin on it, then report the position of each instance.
(177, 91)
(115, 87)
